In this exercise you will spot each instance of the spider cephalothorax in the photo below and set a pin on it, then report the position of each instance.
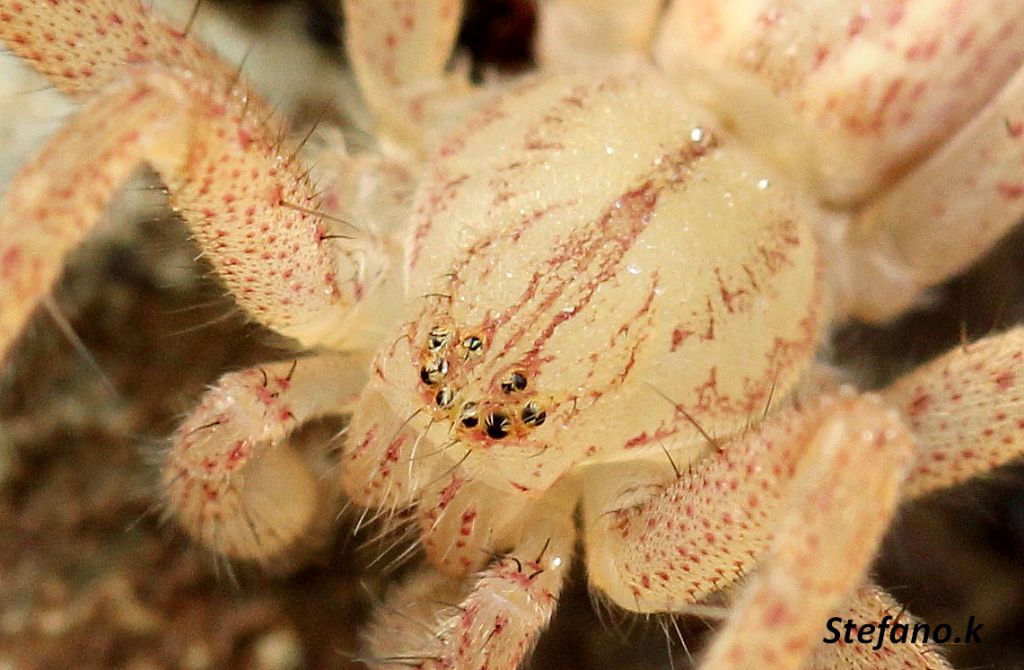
(602, 273)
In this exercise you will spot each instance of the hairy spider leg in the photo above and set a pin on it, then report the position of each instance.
(400, 51)
(840, 500)
(215, 144)
(508, 605)
(871, 605)
(231, 479)
(966, 410)
(904, 114)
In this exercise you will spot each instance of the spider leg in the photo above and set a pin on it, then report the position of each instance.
(966, 409)
(462, 521)
(217, 148)
(832, 521)
(872, 605)
(874, 86)
(399, 51)
(945, 215)
(583, 31)
(80, 51)
(497, 623)
(805, 497)
(657, 541)
(909, 119)
(231, 480)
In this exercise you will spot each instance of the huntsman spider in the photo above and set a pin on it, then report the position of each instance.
(586, 300)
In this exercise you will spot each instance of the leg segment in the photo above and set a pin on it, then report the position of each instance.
(658, 543)
(463, 522)
(832, 521)
(966, 410)
(807, 495)
(943, 216)
(876, 85)
(399, 50)
(497, 623)
(231, 480)
(582, 31)
(250, 210)
(83, 46)
(871, 605)
(923, 94)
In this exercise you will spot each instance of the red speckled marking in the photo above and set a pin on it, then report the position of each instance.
(151, 116)
(970, 423)
(1010, 191)
(830, 525)
(235, 431)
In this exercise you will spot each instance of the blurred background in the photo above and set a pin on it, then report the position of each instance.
(90, 575)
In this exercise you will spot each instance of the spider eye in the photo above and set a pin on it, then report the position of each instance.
(444, 397)
(468, 416)
(473, 344)
(532, 415)
(438, 338)
(433, 372)
(496, 424)
(514, 382)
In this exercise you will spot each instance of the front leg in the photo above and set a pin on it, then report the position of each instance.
(496, 624)
(833, 519)
(232, 480)
(161, 99)
(871, 605)
(252, 211)
(804, 498)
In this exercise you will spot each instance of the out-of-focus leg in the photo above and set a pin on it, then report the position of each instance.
(875, 85)
(231, 480)
(579, 32)
(83, 46)
(399, 50)
(804, 499)
(943, 216)
(907, 113)
(966, 410)
(873, 606)
(496, 625)
(838, 507)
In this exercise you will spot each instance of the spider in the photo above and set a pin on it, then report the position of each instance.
(596, 290)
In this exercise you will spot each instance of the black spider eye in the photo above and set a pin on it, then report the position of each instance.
(532, 415)
(438, 338)
(433, 372)
(496, 424)
(444, 397)
(468, 416)
(514, 382)
(473, 344)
